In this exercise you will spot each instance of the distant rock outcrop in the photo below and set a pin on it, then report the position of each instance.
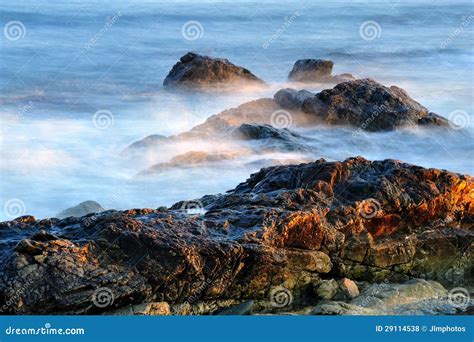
(81, 209)
(195, 71)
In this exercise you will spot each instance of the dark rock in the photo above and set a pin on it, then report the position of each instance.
(84, 208)
(311, 70)
(272, 138)
(434, 120)
(366, 104)
(284, 227)
(197, 71)
(292, 99)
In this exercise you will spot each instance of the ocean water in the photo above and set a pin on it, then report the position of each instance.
(60, 63)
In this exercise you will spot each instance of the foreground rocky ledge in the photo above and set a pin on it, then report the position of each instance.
(287, 228)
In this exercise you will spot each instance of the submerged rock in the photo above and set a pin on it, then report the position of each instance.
(191, 159)
(283, 228)
(84, 208)
(196, 71)
(272, 138)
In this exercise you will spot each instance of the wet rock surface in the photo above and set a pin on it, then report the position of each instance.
(363, 103)
(287, 228)
(194, 71)
(415, 297)
(316, 70)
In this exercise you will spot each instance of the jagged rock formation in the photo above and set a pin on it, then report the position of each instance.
(282, 228)
(195, 71)
(363, 103)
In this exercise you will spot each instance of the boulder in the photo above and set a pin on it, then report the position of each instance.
(366, 104)
(196, 71)
(292, 99)
(83, 208)
(284, 228)
(316, 70)
(327, 289)
(311, 70)
(349, 287)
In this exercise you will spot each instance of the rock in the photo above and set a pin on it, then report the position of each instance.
(146, 309)
(191, 159)
(196, 71)
(434, 120)
(310, 70)
(273, 138)
(260, 163)
(285, 227)
(349, 288)
(327, 289)
(415, 297)
(244, 308)
(367, 105)
(151, 140)
(292, 99)
(84, 208)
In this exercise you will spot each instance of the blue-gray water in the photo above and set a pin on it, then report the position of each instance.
(75, 58)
